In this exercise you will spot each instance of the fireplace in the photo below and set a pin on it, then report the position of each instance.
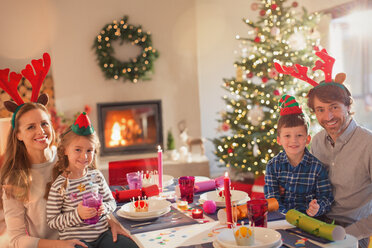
(130, 127)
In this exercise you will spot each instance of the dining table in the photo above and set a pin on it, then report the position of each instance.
(177, 228)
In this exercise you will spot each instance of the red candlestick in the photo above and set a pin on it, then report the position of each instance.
(197, 214)
(226, 183)
(160, 168)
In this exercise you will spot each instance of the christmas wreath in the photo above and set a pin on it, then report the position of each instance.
(135, 69)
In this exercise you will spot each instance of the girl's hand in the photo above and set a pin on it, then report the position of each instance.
(100, 210)
(313, 208)
(86, 212)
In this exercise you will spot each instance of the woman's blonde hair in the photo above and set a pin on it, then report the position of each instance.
(15, 174)
(61, 166)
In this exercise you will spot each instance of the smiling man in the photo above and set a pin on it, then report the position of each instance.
(346, 149)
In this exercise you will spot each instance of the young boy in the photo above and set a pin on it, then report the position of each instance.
(301, 175)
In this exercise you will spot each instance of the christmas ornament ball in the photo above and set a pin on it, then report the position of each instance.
(209, 206)
(254, 6)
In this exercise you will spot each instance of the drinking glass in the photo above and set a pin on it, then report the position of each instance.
(134, 180)
(257, 212)
(187, 188)
(92, 200)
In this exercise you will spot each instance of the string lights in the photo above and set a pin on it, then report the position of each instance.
(251, 102)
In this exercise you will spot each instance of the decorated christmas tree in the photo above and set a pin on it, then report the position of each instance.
(282, 33)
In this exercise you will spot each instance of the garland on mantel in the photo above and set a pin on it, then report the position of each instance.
(133, 70)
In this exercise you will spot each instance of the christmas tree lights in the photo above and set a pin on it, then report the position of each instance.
(282, 33)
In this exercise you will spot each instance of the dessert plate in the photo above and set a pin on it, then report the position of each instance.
(264, 238)
(156, 207)
(217, 244)
(237, 197)
(141, 218)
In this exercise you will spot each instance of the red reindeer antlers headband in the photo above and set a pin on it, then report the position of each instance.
(326, 66)
(9, 83)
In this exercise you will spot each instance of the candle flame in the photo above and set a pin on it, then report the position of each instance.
(159, 148)
(226, 174)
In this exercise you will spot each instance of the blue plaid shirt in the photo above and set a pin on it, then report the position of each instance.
(303, 183)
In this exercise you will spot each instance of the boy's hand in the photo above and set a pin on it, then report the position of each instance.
(86, 212)
(313, 208)
(281, 191)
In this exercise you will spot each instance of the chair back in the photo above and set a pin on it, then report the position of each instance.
(119, 169)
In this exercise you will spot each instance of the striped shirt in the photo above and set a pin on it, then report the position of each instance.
(62, 209)
(302, 183)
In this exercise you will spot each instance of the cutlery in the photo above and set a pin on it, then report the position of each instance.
(150, 222)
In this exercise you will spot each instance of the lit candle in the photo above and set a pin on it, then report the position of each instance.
(182, 205)
(226, 182)
(160, 168)
(197, 214)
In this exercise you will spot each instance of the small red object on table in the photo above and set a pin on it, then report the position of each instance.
(197, 214)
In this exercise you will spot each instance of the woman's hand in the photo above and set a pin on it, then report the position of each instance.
(72, 243)
(86, 212)
(313, 208)
(47, 243)
(116, 229)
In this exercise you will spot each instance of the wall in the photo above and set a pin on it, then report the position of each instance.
(196, 41)
(67, 30)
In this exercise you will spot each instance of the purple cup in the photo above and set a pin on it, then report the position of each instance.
(134, 180)
(187, 188)
(92, 200)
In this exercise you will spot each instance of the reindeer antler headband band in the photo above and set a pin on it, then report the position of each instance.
(326, 66)
(9, 83)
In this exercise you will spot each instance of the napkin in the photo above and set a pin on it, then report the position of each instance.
(293, 240)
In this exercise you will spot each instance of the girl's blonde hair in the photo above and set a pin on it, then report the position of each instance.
(15, 174)
(62, 164)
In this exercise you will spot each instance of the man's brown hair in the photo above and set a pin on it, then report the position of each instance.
(329, 93)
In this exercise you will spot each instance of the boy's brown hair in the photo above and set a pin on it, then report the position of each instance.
(293, 120)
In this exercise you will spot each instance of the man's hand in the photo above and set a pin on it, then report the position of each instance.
(313, 208)
(86, 212)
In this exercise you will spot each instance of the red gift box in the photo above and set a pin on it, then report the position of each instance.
(150, 190)
(127, 195)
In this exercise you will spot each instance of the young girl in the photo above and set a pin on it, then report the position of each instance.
(29, 159)
(76, 174)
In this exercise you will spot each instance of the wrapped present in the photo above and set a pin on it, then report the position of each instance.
(315, 227)
(127, 195)
(149, 191)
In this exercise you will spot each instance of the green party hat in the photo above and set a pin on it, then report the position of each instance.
(289, 106)
(82, 125)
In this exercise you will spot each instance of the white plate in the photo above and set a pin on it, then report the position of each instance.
(264, 238)
(156, 206)
(201, 179)
(141, 218)
(237, 197)
(217, 244)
